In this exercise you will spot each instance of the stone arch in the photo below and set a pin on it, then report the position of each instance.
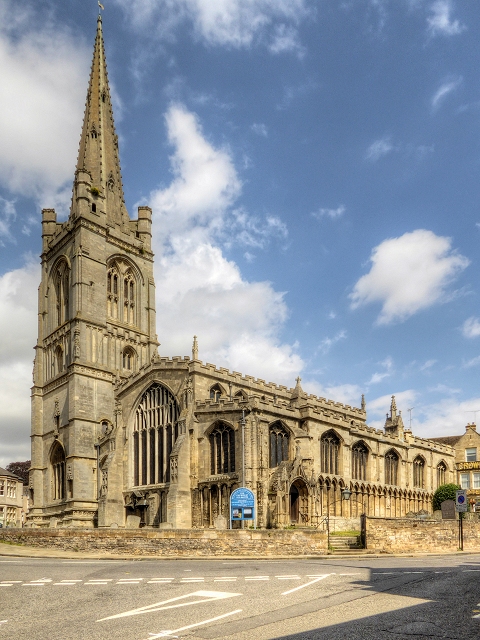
(58, 472)
(330, 447)
(216, 392)
(418, 471)
(279, 436)
(298, 502)
(222, 448)
(392, 461)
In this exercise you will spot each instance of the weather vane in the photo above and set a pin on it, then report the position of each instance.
(100, 6)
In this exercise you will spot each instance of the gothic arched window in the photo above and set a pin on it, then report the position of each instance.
(128, 359)
(222, 449)
(57, 461)
(441, 473)
(59, 362)
(129, 297)
(279, 438)
(418, 472)
(216, 392)
(359, 461)
(391, 467)
(61, 283)
(329, 452)
(154, 434)
(112, 291)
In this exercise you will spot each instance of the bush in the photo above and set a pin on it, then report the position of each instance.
(444, 492)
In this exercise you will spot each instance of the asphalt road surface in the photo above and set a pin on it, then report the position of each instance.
(347, 599)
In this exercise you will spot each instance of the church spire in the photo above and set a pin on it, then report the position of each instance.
(98, 153)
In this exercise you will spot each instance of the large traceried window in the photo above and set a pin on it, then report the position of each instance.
(359, 461)
(58, 472)
(441, 473)
(216, 392)
(278, 440)
(154, 434)
(329, 453)
(222, 449)
(418, 472)
(391, 467)
(121, 292)
(61, 285)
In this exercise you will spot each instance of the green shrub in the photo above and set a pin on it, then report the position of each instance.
(444, 492)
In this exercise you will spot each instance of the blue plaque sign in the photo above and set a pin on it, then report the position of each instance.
(242, 504)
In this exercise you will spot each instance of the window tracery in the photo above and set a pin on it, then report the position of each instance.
(279, 441)
(222, 449)
(121, 293)
(418, 472)
(391, 467)
(155, 432)
(329, 453)
(58, 472)
(61, 281)
(216, 392)
(441, 473)
(359, 461)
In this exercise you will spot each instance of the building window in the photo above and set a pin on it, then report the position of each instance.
(476, 480)
(59, 363)
(61, 285)
(465, 480)
(112, 292)
(222, 449)
(471, 454)
(128, 359)
(418, 472)
(391, 467)
(129, 298)
(278, 444)
(121, 293)
(2, 487)
(58, 472)
(215, 392)
(329, 452)
(441, 471)
(359, 461)
(155, 433)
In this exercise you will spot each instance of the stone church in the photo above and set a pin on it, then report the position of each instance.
(119, 430)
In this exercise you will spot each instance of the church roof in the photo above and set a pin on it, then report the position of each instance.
(98, 152)
(451, 440)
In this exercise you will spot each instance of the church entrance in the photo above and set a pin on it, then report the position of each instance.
(298, 502)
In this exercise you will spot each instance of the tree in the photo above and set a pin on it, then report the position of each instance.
(444, 492)
(20, 469)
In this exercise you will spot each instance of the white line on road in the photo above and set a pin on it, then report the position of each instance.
(257, 577)
(307, 584)
(165, 634)
(207, 596)
(4, 584)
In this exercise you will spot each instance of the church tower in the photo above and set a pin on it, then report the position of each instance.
(96, 319)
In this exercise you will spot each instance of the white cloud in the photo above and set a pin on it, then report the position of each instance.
(377, 377)
(42, 95)
(327, 343)
(260, 129)
(236, 23)
(7, 216)
(285, 40)
(18, 325)
(379, 148)
(471, 328)
(408, 274)
(447, 417)
(428, 365)
(442, 92)
(440, 21)
(199, 291)
(474, 362)
(350, 394)
(330, 213)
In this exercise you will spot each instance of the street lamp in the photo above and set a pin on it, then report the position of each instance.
(346, 493)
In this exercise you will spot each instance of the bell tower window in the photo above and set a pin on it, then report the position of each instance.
(61, 282)
(121, 293)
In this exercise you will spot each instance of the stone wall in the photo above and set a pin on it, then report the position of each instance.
(175, 543)
(402, 535)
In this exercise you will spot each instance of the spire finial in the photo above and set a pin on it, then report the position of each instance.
(364, 404)
(195, 348)
(100, 9)
(393, 408)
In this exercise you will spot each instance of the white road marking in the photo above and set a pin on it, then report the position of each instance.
(33, 584)
(42, 580)
(257, 577)
(12, 581)
(102, 580)
(4, 584)
(288, 577)
(94, 584)
(470, 569)
(71, 581)
(160, 580)
(64, 584)
(165, 634)
(477, 616)
(349, 574)
(206, 596)
(307, 584)
(3, 621)
(225, 579)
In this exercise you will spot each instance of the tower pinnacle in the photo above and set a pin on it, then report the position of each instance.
(98, 153)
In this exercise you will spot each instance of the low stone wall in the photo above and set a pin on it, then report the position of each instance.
(405, 535)
(174, 543)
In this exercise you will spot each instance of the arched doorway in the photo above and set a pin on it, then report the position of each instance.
(298, 502)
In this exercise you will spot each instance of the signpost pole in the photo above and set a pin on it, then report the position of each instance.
(461, 506)
(460, 531)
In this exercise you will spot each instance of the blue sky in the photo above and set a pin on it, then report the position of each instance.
(313, 170)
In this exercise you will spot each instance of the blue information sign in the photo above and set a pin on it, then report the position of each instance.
(242, 504)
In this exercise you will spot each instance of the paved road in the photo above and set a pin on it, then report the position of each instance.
(403, 598)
